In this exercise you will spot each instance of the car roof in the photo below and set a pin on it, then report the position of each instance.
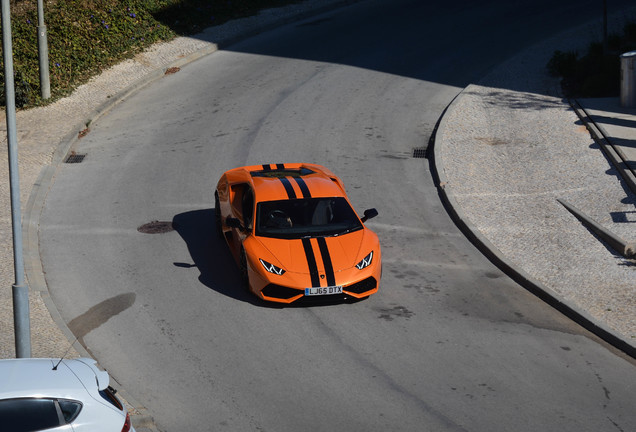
(37, 377)
(286, 181)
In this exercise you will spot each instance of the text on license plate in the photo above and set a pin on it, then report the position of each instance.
(323, 290)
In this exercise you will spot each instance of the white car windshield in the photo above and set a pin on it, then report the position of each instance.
(308, 217)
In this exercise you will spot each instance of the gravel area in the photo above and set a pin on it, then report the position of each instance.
(511, 147)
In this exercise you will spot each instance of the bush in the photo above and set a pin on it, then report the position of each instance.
(22, 90)
(86, 36)
(597, 73)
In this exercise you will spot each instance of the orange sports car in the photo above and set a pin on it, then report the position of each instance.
(294, 234)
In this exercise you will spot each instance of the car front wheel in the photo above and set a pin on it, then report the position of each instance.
(243, 270)
(217, 215)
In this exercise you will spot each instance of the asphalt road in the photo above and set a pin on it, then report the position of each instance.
(449, 342)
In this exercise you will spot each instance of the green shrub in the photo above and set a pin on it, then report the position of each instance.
(22, 90)
(563, 63)
(85, 37)
(597, 73)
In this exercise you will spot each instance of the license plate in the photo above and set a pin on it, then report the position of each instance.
(323, 290)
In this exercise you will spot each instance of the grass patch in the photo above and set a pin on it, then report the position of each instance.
(597, 72)
(87, 36)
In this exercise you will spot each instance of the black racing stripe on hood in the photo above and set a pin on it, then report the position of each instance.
(303, 187)
(268, 167)
(326, 259)
(288, 188)
(311, 261)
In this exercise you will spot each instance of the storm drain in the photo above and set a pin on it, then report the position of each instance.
(419, 152)
(156, 227)
(75, 158)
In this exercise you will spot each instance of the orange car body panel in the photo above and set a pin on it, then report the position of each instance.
(311, 262)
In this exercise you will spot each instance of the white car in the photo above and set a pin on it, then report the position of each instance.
(59, 395)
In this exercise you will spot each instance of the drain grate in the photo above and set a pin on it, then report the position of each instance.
(419, 152)
(75, 158)
(156, 227)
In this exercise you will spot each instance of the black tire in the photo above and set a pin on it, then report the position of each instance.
(245, 280)
(217, 216)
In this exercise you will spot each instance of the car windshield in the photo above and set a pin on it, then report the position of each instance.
(308, 217)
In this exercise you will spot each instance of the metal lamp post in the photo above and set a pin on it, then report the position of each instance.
(43, 54)
(20, 289)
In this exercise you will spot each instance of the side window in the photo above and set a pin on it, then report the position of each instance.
(248, 207)
(243, 203)
(28, 415)
(236, 194)
(70, 409)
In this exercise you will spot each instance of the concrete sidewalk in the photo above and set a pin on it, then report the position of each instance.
(613, 125)
(511, 154)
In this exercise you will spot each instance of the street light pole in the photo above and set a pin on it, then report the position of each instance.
(604, 26)
(20, 289)
(43, 54)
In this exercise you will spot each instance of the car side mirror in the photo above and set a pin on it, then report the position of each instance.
(369, 214)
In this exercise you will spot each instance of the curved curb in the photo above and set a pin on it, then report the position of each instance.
(141, 419)
(445, 189)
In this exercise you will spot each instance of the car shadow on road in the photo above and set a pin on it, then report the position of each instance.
(210, 254)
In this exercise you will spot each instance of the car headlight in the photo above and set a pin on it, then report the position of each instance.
(366, 261)
(272, 268)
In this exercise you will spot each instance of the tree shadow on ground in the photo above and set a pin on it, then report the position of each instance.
(518, 100)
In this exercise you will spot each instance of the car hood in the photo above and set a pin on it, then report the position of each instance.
(293, 254)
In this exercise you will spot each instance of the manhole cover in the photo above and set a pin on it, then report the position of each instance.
(156, 227)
